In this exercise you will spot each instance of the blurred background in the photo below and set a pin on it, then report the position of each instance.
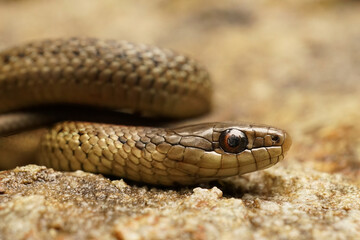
(293, 64)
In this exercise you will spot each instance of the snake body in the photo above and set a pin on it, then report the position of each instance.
(133, 78)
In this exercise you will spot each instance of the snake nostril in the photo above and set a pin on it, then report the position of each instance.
(275, 138)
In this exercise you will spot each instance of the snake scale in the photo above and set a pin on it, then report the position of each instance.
(138, 78)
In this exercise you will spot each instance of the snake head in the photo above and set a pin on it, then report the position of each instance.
(217, 150)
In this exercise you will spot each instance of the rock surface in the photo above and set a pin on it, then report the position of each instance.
(293, 64)
(292, 203)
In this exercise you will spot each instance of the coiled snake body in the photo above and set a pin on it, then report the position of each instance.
(142, 79)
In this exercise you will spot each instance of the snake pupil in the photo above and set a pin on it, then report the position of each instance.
(233, 141)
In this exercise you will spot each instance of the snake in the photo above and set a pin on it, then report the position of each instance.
(138, 79)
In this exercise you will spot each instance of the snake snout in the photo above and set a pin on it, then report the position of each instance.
(287, 143)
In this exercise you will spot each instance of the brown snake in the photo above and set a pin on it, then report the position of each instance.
(137, 78)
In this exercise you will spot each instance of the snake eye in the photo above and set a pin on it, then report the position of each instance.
(233, 141)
